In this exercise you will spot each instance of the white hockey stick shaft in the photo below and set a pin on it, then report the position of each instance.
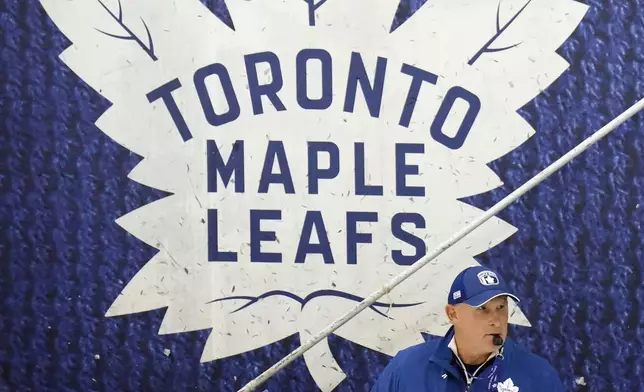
(534, 181)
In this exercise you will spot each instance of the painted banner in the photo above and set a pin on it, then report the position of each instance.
(190, 189)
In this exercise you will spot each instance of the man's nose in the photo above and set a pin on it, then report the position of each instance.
(495, 320)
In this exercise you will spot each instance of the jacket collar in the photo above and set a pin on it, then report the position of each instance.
(454, 349)
(446, 350)
(442, 355)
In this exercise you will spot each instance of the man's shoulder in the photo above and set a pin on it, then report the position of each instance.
(415, 358)
(408, 370)
(414, 354)
(519, 353)
(538, 366)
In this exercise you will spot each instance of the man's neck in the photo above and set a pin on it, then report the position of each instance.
(467, 356)
(473, 360)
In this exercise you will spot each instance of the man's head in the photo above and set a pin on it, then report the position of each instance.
(478, 309)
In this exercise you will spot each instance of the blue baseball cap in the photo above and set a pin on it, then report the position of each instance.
(475, 286)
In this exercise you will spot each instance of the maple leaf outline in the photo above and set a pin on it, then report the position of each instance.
(176, 278)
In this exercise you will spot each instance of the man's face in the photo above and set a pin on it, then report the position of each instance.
(476, 326)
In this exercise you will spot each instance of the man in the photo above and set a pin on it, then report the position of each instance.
(475, 355)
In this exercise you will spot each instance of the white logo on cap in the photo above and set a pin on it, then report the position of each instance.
(457, 294)
(488, 278)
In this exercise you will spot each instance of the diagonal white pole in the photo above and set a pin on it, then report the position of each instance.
(534, 181)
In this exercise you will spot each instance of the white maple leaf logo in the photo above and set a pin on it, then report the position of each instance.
(311, 154)
(507, 386)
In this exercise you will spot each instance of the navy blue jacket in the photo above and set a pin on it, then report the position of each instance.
(432, 367)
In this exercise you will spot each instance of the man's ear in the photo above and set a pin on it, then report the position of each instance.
(450, 311)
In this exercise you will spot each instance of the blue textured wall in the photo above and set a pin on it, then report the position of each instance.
(577, 259)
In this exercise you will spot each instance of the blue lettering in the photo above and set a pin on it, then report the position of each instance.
(327, 79)
(165, 93)
(361, 187)
(213, 240)
(403, 169)
(353, 237)
(398, 232)
(372, 94)
(418, 77)
(270, 90)
(215, 164)
(257, 236)
(206, 103)
(305, 247)
(274, 150)
(315, 173)
(473, 109)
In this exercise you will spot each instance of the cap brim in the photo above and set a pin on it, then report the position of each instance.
(483, 298)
